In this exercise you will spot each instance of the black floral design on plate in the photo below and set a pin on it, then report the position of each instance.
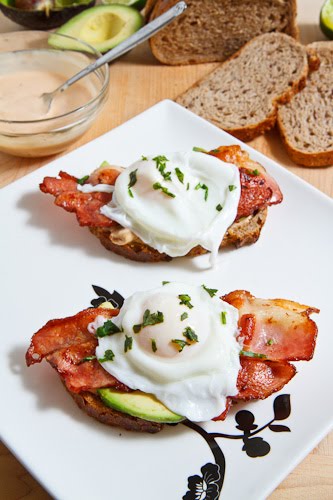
(209, 485)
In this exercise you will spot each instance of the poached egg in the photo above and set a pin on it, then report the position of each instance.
(177, 342)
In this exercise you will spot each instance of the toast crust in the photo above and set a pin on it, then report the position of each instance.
(243, 232)
(93, 406)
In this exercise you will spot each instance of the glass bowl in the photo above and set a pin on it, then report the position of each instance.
(38, 51)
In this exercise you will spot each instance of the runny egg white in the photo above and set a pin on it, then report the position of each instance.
(177, 201)
(183, 348)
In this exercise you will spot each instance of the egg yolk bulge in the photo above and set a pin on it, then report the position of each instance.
(177, 201)
(182, 349)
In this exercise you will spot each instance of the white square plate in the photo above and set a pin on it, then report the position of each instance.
(48, 266)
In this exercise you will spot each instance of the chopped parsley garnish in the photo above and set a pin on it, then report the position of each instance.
(161, 166)
(153, 345)
(82, 180)
(270, 342)
(187, 186)
(219, 207)
(204, 187)
(128, 343)
(224, 318)
(132, 180)
(144, 158)
(199, 150)
(183, 316)
(255, 172)
(149, 319)
(164, 190)
(186, 300)
(232, 187)
(109, 328)
(87, 358)
(108, 356)
(190, 334)
(165, 282)
(180, 344)
(211, 291)
(251, 354)
(180, 175)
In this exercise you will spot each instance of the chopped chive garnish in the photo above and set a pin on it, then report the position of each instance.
(165, 282)
(187, 186)
(149, 319)
(270, 342)
(82, 180)
(87, 358)
(204, 187)
(109, 328)
(199, 150)
(108, 356)
(180, 344)
(224, 318)
(144, 158)
(255, 172)
(219, 207)
(132, 180)
(211, 291)
(164, 190)
(128, 343)
(161, 166)
(180, 175)
(186, 300)
(251, 354)
(183, 316)
(190, 334)
(232, 187)
(153, 345)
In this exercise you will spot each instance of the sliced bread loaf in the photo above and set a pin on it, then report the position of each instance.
(241, 96)
(213, 30)
(306, 122)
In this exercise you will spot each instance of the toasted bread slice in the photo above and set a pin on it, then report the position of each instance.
(241, 96)
(242, 232)
(213, 30)
(306, 122)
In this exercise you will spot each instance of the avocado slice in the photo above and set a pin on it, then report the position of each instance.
(103, 27)
(139, 404)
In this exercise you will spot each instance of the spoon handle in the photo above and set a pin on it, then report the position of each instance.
(128, 44)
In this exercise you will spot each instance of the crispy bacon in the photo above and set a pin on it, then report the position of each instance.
(258, 379)
(61, 333)
(277, 328)
(258, 189)
(79, 374)
(85, 205)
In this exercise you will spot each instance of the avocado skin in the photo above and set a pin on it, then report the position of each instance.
(38, 20)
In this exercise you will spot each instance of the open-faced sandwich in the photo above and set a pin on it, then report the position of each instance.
(176, 352)
(171, 205)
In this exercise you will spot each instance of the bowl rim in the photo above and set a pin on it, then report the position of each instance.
(73, 111)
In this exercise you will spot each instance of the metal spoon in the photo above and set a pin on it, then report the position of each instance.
(140, 36)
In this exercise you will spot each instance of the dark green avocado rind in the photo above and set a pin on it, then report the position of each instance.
(119, 21)
(38, 19)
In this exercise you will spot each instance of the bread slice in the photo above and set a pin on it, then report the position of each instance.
(213, 30)
(241, 96)
(306, 122)
(242, 232)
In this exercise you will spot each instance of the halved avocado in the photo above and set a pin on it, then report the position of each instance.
(326, 19)
(42, 15)
(137, 4)
(139, 404)
(103, 26)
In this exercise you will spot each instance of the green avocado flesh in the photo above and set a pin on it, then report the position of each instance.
(326, 19)
(103, 27)
(139, 404)
(137, 4)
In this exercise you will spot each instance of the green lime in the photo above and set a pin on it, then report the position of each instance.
(326, 19)
(137, 4)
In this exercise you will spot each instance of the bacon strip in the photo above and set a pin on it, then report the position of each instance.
(277, 328)
(259, 189)
(60, 333)
(259, 379)
(81, 376)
